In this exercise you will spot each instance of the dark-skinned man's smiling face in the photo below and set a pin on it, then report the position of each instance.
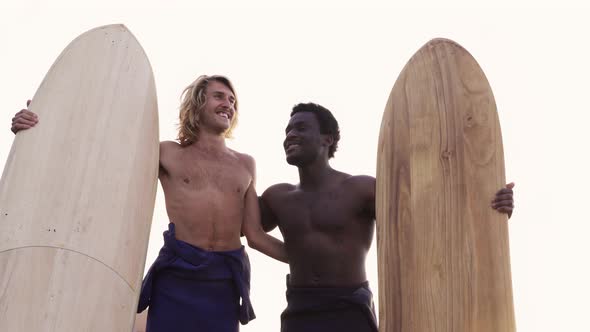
(304, 142)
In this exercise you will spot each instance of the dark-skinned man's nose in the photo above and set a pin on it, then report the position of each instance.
(291, 134)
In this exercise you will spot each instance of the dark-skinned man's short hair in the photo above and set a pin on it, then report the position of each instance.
(328, 124)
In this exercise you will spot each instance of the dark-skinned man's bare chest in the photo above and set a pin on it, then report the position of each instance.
(331, 212)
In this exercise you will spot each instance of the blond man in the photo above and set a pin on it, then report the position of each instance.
(201, 278)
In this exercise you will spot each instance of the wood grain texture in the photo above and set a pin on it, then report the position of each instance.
(442, 250)
(78, 191)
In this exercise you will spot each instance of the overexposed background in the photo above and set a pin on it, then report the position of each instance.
(346, 56)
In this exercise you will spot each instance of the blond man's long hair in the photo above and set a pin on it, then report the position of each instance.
(193, 100)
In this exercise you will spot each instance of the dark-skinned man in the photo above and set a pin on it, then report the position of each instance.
(327, 221)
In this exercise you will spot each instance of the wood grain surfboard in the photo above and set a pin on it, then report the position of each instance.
(78, 190)
(442, 250)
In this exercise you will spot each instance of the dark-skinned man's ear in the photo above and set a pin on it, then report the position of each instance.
(328, 139)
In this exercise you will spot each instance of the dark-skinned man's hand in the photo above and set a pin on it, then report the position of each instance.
(504, 200)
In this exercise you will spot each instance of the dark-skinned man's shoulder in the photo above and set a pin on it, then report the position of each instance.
(269, 200)
(361, 183)
(362, 187)
(278, 189)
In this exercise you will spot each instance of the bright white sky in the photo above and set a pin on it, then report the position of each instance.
(346, 57)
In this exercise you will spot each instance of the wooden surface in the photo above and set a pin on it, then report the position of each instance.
(442, 250)
(78, 190)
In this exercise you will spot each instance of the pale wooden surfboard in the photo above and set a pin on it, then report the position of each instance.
(78, 191)
(442, 250)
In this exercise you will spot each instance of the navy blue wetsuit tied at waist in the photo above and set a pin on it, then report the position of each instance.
(190, 289)
(327, 309)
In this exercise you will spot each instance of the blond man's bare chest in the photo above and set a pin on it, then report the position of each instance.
(211, 172)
